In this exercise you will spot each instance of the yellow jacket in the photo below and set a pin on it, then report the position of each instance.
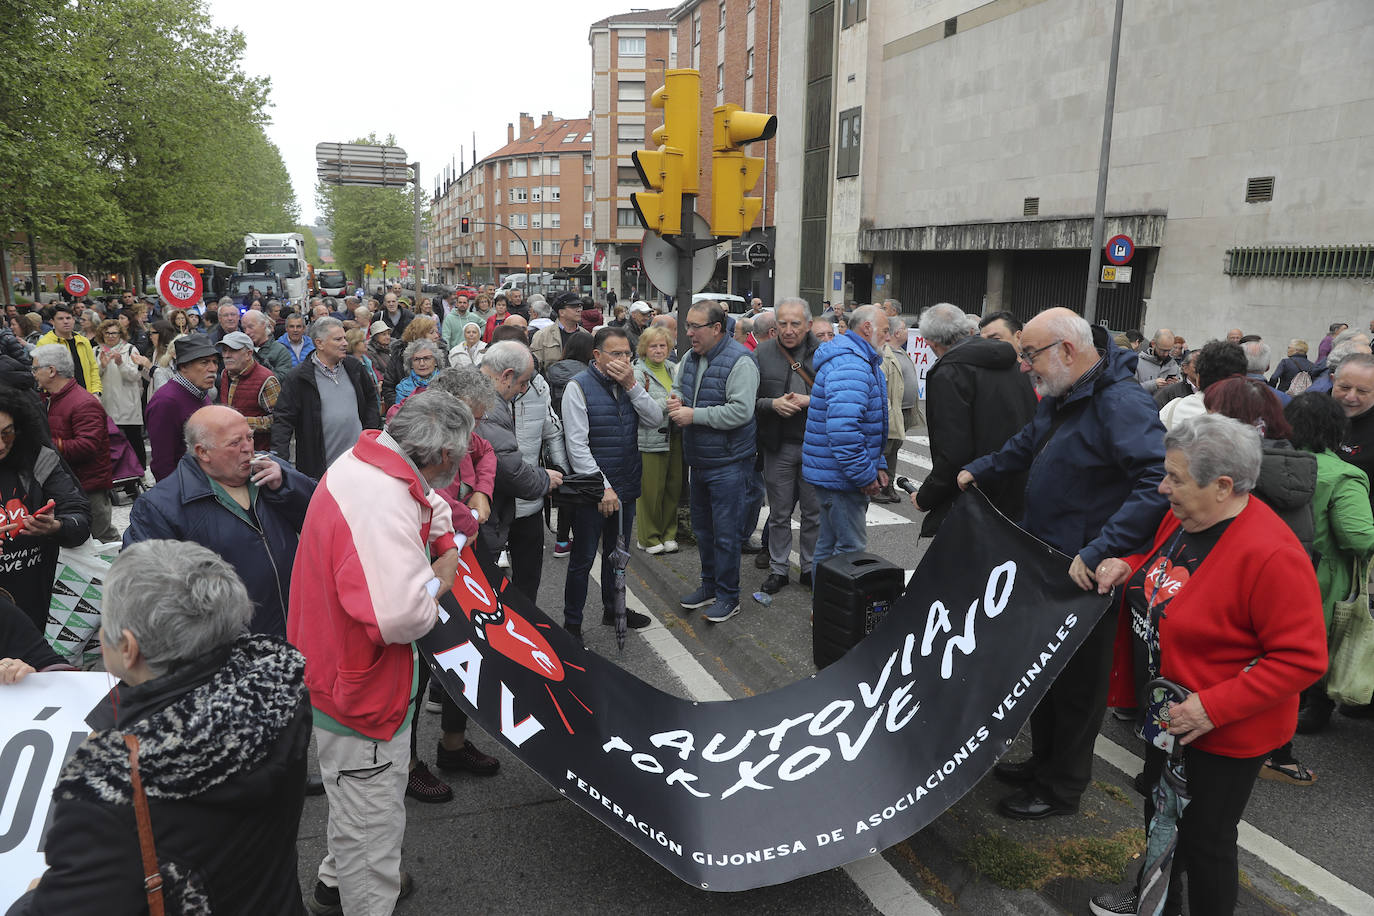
(89, 367)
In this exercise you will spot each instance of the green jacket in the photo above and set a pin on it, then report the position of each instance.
(1344, 526)
(656, 438)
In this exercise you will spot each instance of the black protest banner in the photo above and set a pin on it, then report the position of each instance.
(741, 794)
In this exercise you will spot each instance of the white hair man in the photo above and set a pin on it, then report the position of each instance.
(1094, 455)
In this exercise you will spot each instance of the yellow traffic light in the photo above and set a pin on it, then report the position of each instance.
(733, 174)
(680, 99)
(659, 210)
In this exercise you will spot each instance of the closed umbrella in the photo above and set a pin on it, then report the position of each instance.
(1170, 798)
(620, 558)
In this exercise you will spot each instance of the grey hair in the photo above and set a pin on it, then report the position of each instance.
(1071, 329)
(540, 308)
(506, 355)
(1257, 354)
(57, 356)
(796, 300)
(1350, 358)
(896, 325)
(865, 313)
(468, 385)
(896, 303)
(224, 300)
(744, 325)
(1218, 446)
(430, 422)
(943, 324)
(253, 317)
(1343, 351)
(764, 324)
(179, 599)
(1348, 334)
(322, 326)
(226, 305)
(416, 347)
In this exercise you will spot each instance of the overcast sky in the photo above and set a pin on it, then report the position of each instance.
(431, 72)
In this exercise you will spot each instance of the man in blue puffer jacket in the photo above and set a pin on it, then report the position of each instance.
(846, 429)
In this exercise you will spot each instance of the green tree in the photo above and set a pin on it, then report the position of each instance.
(312, 247)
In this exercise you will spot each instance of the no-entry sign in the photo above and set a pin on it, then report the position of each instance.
(179, 284)
(1120, 249)
(76, 285)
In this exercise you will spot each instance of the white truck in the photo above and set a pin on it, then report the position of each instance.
(282, 254)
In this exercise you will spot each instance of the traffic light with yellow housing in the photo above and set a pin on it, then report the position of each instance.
(672, 169)
(733, 174)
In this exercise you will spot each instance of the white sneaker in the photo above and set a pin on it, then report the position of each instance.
(655, 549)
(504, 560)
(670, 546)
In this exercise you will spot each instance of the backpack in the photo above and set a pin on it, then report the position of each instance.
(1301, 382)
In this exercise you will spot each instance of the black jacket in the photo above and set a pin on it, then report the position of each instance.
(1358, 446)
(223, 742)
(1289, 367)
(1287, 483)
(776, 378)
(298, 413)
(1179, 389)
(977, 398)
(29, 561)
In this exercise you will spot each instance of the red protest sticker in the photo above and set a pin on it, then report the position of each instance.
(76, 285)
(180, 284)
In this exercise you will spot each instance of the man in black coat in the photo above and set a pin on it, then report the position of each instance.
(325, 403)
(977, 398)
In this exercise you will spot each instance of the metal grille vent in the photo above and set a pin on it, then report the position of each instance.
(1355, 262)
(1030, 206)
(1258, 190)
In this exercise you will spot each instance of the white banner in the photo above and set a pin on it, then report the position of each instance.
(42, 720)
(919, 351)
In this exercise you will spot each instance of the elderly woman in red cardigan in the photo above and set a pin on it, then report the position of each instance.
(1225, 603)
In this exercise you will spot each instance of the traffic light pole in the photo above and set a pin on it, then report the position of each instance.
(686, 248)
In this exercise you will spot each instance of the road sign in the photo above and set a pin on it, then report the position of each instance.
(1120, 249)
(1123, 274)
(660, 259)
(837, 281)
(577, 259)
(759, 255)
(76, 285)
(879, 280)
(179, 284)
(1108, 274)
(362, 165)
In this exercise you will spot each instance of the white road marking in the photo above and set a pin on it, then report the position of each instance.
(1331, 888)
(921, 461)
(919, 440)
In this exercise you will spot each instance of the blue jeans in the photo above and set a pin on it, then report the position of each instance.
(753, 506)
(718, 505)
(842, 523)
(590, 528)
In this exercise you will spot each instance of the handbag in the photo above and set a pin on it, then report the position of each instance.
(579, 490)
(1350, 641)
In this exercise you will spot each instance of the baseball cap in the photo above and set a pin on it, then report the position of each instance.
(236, 340)
(642, 306)
(193, 347)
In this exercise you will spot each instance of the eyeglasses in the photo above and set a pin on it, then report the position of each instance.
(698, 327)
(421, 359)
(1028, 356)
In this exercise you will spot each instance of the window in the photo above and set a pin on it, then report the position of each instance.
(536, 195)
(720, 20)
(629, 132)
(631, 91)
(586, 221)
(627, 175)
(854, 11)
(555, 221)
(536, 221)
(586, 192)
(696, 27)
(625, 216)
(534, 166)
(553, 194)
(515, 168)
(519, 221)
(497, 249)
(519, 195)
(749, 64)
(587, 138)
(586, 165)
(570, 138)
(551, 167)
(631, 47)
(847, 156)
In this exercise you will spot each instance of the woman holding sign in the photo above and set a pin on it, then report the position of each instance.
(1224, 603)
(44, 508)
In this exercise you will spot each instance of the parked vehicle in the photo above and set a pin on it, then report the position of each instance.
(331, 282)
(281, 254)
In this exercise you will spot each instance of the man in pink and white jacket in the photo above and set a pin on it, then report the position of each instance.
(377, 549)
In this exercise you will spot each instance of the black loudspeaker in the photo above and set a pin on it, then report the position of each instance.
(853, 593)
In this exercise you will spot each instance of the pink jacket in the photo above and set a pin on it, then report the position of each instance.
(477, 473)
(360, 588)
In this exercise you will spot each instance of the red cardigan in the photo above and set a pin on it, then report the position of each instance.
(1254, 598)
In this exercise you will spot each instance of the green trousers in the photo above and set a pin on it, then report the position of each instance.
(660, 490)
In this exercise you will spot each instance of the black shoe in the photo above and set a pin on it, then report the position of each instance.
(761, 560)
(1360, 711)
(804, 580)
(747, 547)
(633, 619)
(1315, 714)
(774, 583)
(422, 785)
(574, 630)
(1031, 804)
(314, 785)
(467, 758)
(1020, 773)
(324, 901)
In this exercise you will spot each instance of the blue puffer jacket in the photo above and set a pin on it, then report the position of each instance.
(846, 424)
(1092, 488)
(183, 507)
(612, 433)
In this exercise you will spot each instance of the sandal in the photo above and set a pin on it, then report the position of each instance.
(1290, 771)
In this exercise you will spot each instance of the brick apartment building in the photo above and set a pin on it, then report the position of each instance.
(537, 187)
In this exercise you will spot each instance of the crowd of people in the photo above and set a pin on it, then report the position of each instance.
(376, 437)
